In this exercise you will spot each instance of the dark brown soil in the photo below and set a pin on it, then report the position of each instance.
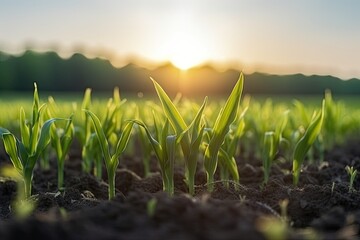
(321, 207)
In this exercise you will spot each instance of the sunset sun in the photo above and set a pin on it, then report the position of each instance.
(184, 44)
(185, 51)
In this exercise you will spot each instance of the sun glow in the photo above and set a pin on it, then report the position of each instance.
(185, 44)
(185, 52)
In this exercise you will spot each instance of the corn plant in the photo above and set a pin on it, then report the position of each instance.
(272, 140)
(165, 149)
(111, 125)
(111, 160)
(83, 133)
(268, 153)
(227, 154)
(221, 127)
(352, 175)
(334, 129)
(35, 136)
(51, 110)
(304, 144)
(61, 139)
(191, 134)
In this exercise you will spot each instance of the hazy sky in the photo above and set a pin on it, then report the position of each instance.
(276, 36)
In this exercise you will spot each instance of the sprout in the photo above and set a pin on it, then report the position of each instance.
(111, 160)
(352, 175)
(304, 144)
(272, 141)
(192, 134)
(226, 116)
(83, 133)
(268, 154)
(34, 138)
(227, 163)
(61, 139)
(165, 148)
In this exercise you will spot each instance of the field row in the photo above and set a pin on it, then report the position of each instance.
(210, 136)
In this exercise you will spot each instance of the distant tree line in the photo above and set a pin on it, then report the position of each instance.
(53, 73)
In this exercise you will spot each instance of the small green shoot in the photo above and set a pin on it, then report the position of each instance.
(165, 148)
(61, 139)
(304, 144)
(221, 127)
(151, 207)
(111, 160)
(35, 136)
(227, 154)
(352, 175)
(268, 154)
(192, 134)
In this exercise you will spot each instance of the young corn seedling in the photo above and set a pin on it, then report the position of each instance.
(268, 153)
(51, 110)
(227, 163)
(352, 175)
(61, 139)
(83, 133)
(191, 134)
(111, 160)
(272, 141)
(35, 137)
(111, 126)
(221, 127)
(304, 144)
(146, 148)
(165, 149)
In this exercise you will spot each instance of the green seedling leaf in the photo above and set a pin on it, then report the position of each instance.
(226, 116)
(124, 139)
(230, 164)
(304, 144)
(11, 149)
(169, 164)
(24, 129)
(269, 152)
(170, 110)
(155, 144)
(36, 103)
(45, 136)
(101, 135)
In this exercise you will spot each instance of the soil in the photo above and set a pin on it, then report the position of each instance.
(321, 207)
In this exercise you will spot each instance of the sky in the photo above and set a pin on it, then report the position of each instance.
(273, 36)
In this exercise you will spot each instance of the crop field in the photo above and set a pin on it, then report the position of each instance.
(280, 167)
